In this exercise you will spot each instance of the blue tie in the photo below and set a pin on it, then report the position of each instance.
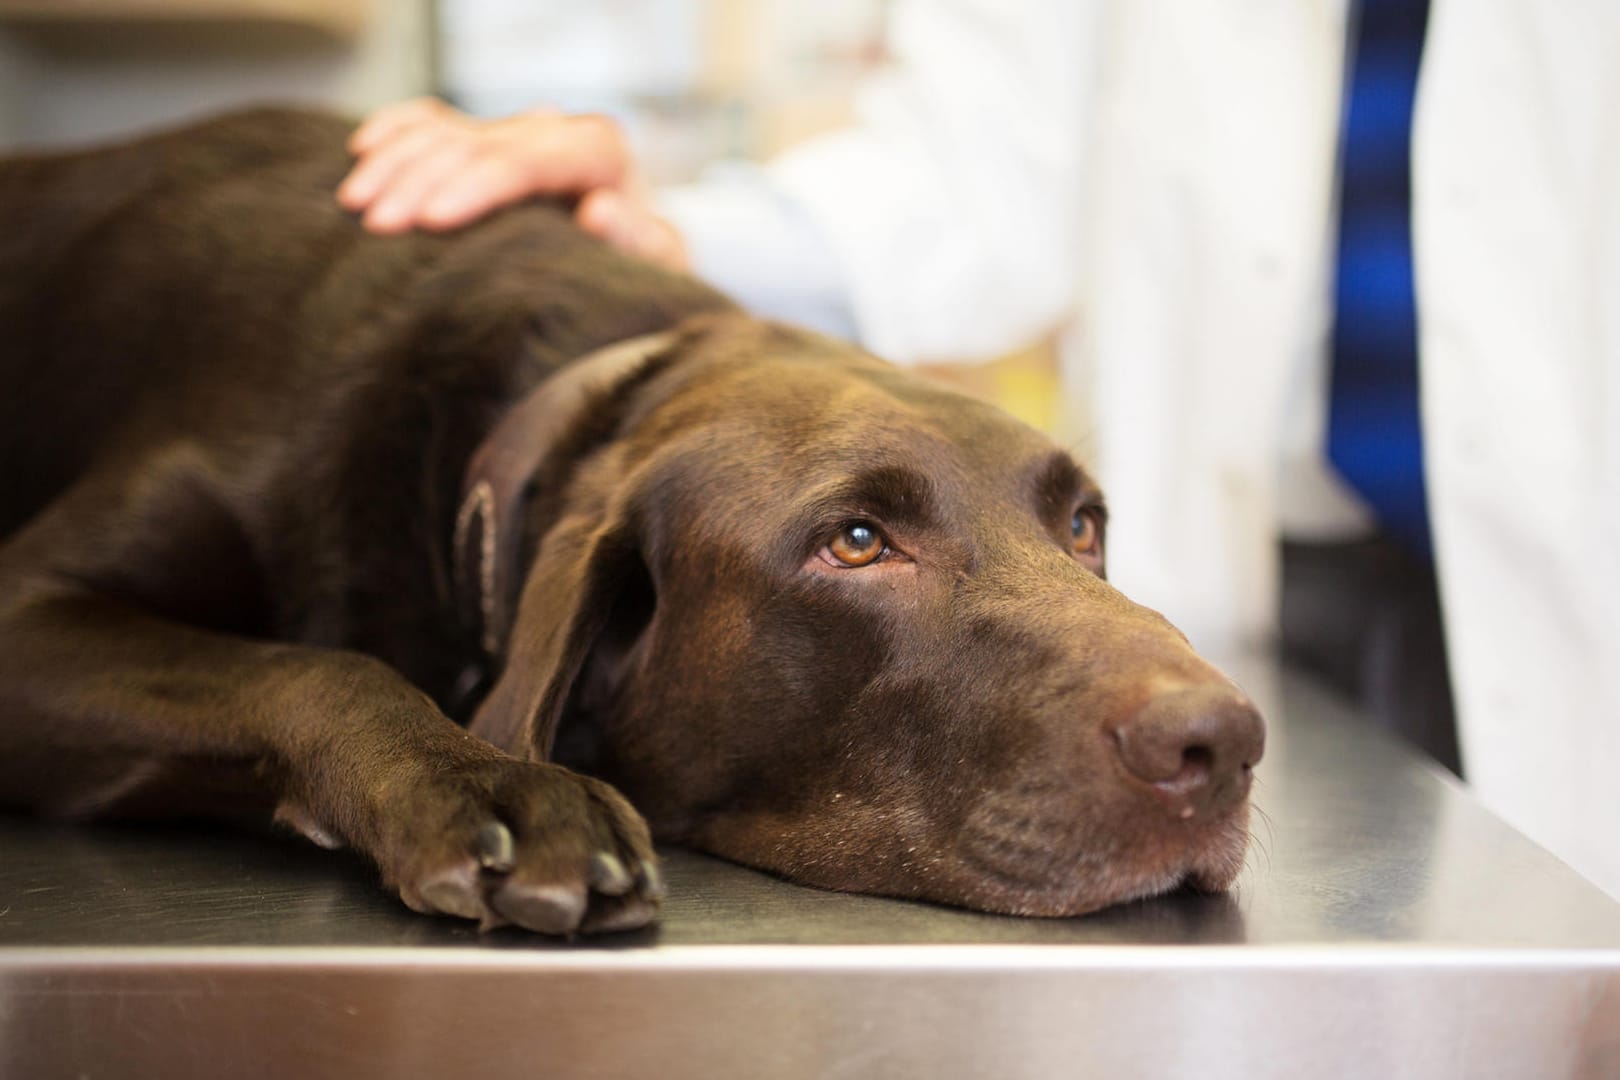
(1374, 435)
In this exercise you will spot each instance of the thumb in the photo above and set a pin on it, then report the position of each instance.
(631, 226)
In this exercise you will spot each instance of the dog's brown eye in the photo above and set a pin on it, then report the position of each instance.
(1083, 528)
(857, 544)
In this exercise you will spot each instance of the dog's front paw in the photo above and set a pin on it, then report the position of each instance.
(511, 842)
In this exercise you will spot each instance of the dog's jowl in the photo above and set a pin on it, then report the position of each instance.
(495, 555)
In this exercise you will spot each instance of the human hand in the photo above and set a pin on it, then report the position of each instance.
(422, 164)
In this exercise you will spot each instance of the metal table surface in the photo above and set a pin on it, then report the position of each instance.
(1386, 925)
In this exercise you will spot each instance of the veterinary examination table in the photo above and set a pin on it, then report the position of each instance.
(1386, 926)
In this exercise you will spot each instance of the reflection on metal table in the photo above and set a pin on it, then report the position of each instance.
(1386, 926)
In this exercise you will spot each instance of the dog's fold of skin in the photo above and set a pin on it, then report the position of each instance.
(804, 610)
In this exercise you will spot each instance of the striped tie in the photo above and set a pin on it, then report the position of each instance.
(1374, 434)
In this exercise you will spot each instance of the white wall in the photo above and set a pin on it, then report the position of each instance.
(66, 82)
(14, 71)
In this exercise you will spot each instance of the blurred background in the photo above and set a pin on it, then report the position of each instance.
(1216, 150)
(692, 81)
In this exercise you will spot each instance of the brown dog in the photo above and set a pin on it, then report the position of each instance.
(281, 496)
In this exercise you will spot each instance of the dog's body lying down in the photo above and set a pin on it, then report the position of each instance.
(277, 493)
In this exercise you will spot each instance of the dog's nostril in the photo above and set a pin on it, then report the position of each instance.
(1196, 764)
(1197, 744)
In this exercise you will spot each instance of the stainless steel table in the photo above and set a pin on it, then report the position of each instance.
(1386, 926)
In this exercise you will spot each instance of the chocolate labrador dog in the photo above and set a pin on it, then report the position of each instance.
(484, 552)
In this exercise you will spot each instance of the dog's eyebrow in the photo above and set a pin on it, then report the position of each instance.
(893, 493)
(1057, 480)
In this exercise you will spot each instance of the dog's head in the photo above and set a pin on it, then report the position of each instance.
(819, 616)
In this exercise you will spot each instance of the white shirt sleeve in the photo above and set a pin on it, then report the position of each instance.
(747, 238)
(941, 225)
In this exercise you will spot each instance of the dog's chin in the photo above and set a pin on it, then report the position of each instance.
(1206, 859)
(1035, 877)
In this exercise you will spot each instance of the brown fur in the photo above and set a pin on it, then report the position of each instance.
(234, 440)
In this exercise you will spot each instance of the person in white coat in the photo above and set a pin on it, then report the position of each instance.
(1155, 180)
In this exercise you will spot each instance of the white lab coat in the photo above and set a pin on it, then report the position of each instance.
(1158, 175)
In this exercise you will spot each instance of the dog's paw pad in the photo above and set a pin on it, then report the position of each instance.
(619, 913)
(549, 909)
(453, 894)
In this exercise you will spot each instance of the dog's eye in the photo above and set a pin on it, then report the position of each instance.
(1085, 532)
(856, 544)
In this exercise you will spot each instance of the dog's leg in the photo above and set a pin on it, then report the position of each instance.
(99, 700)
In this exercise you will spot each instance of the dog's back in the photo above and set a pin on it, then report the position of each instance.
(155, 278)
(193, 314)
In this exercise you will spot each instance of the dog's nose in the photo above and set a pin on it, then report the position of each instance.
(1195, 746)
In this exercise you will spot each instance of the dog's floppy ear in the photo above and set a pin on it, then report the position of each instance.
(586, 555)
(583, 563)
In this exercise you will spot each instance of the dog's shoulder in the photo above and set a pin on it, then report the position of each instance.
(264, 132)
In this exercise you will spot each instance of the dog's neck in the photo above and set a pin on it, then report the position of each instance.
(500, 487)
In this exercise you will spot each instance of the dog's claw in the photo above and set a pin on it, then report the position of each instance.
(496, 850)
(550, 909)
(608, 876)
(651, 880)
